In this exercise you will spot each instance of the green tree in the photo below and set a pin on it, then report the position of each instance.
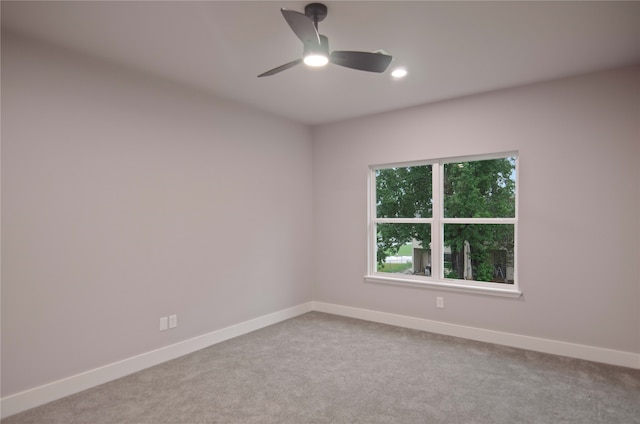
(479, 189)
(402, 193)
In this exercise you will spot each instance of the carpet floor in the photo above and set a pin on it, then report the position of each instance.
(321, 368)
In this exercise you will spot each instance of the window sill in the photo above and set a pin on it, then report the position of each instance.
(475, 288)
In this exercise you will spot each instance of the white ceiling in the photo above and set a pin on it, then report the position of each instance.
(450, 49)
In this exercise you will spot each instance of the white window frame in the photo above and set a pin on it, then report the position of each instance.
(437, 221)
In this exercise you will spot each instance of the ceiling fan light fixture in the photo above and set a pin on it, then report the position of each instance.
(317, 55)
(316, 59)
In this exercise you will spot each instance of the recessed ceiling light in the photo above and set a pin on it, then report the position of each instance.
(399, 73)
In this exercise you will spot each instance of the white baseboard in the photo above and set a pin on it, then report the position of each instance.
(31, 398)
(589, 353)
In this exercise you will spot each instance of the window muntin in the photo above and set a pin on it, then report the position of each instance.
(446, 222)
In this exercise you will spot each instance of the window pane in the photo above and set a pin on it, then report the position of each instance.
(404, 192)
(400, 248)
(479, 252)
(480, 189)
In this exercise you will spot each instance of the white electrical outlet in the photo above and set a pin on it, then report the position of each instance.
(173, 321)
(164, 323)
(440, 302)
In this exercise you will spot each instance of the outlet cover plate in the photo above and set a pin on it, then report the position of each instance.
(164, 323)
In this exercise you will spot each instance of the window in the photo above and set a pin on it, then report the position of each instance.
(449, 223)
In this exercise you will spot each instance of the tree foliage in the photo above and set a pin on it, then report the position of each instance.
(479, 189)
(402, 193)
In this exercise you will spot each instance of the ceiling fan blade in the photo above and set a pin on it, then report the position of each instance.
(362, 61)
(302, 26)
(281, 68)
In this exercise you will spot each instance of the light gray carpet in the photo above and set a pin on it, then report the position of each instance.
(320, 368)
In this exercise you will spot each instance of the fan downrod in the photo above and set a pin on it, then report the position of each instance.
(316, 11)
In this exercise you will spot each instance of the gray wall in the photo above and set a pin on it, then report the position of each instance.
(126, 198)
(579, 144)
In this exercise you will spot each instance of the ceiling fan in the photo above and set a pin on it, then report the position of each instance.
(316, 46)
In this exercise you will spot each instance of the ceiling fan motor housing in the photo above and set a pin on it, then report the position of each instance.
(323, 49)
